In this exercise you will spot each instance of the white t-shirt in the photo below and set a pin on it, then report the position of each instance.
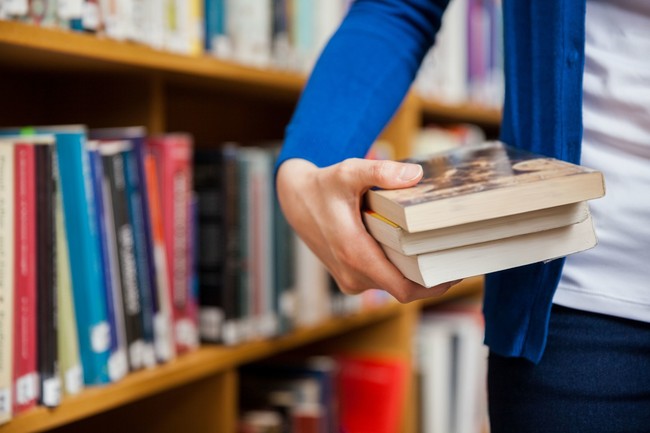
(614, 277)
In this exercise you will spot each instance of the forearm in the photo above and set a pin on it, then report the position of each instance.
(360, 79)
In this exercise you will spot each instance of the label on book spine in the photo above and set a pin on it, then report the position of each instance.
(186, 333)
(211, 322)
(5, 402)
(117, 365)
(100, 337)
(26, 388)
(73, 378)
(51, 392)
(162, 338)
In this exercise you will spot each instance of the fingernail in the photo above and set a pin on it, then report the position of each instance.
(410, 172)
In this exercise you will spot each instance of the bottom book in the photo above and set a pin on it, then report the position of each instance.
(431, 269)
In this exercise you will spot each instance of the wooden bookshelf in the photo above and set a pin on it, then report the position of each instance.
(50, 76)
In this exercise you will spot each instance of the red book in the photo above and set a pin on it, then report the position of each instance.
(173, 158)
(371, 393)
(26, 389)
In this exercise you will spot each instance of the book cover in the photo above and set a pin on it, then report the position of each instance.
(209, 184)
(232, 273)
(430, 269)
(79, 203)
(490, 180)
(393, 236)
(259, 230)
(371, 392)
(47, 329)
(173, 155)
(25, 374)
(121, 231)
(70, 369)
(139, 211)
(7, 272)
(163, 321)
(118, 364)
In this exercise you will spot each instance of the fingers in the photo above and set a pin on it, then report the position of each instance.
(362, 174)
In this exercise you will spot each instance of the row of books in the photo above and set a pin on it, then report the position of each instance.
(120, 250)
(484, 208)
(281, 33)
(451, 367)
(466, 63)
(96, 260)
(324, 394)
(256, 277)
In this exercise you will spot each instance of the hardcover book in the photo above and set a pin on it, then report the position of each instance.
(83, 240)
(121, 231)
(47, 329)
(475, 183)
(172, 154)
(7, 236)
(25, 368)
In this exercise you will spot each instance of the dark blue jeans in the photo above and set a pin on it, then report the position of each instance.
(594, 377)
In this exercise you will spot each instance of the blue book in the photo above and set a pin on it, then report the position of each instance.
(118, 363)
(215, 24)
(80, 207)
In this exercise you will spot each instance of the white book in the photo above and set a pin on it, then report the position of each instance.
(6, 276)
(393, 236)
(431, 269)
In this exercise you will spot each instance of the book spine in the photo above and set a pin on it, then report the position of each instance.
(7, 272)
(25, 364)
(47, 328)
(165, 346)
(147, 240)
(232, 267)
(117, 363)
(208, 169)
(70, 369)
(122, 232)
(136, 217)
(86, 263)
(173, 154)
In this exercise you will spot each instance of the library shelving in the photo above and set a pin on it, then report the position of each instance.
(52, 76)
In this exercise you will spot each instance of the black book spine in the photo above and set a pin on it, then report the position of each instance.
(208, 169)
(233, 266)
(141, 252)
(123, 232)
(47, 356)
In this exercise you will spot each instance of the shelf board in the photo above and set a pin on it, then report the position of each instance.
(207, 361)
(464, 113)
(52, 49)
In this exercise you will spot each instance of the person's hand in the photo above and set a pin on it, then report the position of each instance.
(323, 205)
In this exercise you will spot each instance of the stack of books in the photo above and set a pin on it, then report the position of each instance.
(481, 209)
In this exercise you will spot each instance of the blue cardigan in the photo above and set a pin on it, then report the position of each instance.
(368, 66)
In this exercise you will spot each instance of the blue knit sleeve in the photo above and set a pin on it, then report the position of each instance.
(360, 79)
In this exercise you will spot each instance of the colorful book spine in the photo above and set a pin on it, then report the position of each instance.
(165, 347)
(118, 363)
(70, 368)
(79, 204)
(141, 252)
(25, 363)
(173, 155)
(7, 272)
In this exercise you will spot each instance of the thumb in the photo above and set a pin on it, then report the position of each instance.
(363, 173)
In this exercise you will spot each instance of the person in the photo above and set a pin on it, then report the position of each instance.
(570, 339)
